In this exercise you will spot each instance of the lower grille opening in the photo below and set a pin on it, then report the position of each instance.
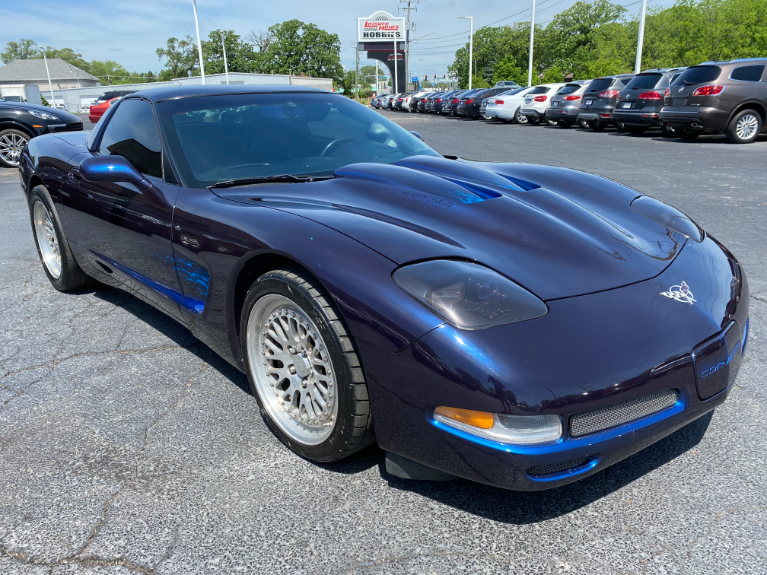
(622, 413)
(550, 468)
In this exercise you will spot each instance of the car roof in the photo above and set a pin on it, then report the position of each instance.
(174, 92)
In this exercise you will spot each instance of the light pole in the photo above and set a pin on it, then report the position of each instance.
(396, 91)
(471, 42)
(199, 44)
(532, 34)
(638, 65)
(226, 66)
(50, 84)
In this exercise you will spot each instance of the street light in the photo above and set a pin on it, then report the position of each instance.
(530, 64)
(50, 84)
(199, 44)
(471, 42)
(638, 64)
(226, 66)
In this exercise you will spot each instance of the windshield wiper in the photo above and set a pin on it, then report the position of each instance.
(268, 179)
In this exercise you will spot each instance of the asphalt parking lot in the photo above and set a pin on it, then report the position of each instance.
(126, 446)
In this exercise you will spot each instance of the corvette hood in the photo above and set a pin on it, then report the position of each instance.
(557, 232)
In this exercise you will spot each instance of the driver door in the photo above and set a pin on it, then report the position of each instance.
(126, 232)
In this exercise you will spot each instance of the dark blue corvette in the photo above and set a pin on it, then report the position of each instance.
(518, 325)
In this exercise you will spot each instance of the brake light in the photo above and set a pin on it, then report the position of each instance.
(423, 100)
(572, 98)
(667, 92)
(499, 101)
(455, 100)
(438, 100)
(649, 96)
(470, 100)
(540, 98)
(399, 99)
(609, 94)
(708, 91)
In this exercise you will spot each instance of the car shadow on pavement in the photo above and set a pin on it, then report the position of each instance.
(173, 330)
(517, 507)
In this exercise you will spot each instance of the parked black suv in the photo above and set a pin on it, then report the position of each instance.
(19, 123)
(640, 102)
(729, 97)
(599, 101)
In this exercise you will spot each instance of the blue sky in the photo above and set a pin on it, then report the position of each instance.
(129, 32)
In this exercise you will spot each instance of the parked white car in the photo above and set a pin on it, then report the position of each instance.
(406, 104)
(537, 101)
(506, 107)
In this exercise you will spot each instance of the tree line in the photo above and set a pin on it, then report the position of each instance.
(292, 47)
(592, 39)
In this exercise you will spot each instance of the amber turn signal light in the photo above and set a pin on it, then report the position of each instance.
(480, 419)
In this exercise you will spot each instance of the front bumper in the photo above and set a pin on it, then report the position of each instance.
(694, 117)
(630, 342)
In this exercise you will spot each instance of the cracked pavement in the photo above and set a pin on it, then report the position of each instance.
(126, 446)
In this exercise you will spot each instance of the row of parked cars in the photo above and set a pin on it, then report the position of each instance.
(725, 97)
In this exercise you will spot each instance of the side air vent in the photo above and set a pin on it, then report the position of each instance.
(621, 413)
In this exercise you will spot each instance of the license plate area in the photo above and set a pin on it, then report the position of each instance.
(588, 102)
(625, 105)
(555, 104)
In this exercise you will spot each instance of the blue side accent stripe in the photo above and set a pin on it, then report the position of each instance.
(564, 445)
(188, 303)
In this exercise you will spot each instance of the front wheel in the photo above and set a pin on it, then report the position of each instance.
(58, 262)
(519, 117)
(744, 128)
(303, 367)
(12, 142)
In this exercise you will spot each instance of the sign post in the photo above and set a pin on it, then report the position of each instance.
(373, 35)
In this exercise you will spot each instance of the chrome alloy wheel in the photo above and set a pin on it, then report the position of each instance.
(521, 118)
(747, 127)
(10, 148)
(46, 239)
(291, 367)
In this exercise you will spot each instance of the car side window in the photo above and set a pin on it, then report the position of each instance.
(747, 73)
(132, 133)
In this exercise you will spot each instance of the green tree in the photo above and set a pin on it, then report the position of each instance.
(507, 70)
(180, 58)
(109, 72)
(21, 50)
(240, 55)
(66, 54)
(297, 48)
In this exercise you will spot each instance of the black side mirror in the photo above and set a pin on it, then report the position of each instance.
(112, 169)
(417, 135)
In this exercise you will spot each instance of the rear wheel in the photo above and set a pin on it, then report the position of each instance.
(303, 367)
(744, 128)
(636, 130)
(58, 262)
(12, 142)
(621, 127)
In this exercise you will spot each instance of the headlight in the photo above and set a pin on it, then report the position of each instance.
(509, 429)
(467, 295)
(43, 115)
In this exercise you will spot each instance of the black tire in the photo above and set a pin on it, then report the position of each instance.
(534, 120)
(686, 134)
(353, 427)
(668, 131)
(621, 127)
(551, 122)
(583, 124)
(12, 138)
(71, 276)
(750, 119)
(565, 124)
(636, 130)
(596, 127)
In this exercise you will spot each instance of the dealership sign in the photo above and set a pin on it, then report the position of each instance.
(380, 27)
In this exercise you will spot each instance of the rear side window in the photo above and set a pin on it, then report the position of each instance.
(698, 75)
(600, 84)
(132, 134)
(569, 89)
(644, 81)
(748, 73)
(539, 90)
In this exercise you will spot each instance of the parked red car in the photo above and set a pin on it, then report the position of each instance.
(103, 103)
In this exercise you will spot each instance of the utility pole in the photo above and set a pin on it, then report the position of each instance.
(50, 84)
(199, 44)
(638, 65)
(357, 72)
(226, 66)
(396, 91)
(407, 6)
(471, 44)
(532, 34)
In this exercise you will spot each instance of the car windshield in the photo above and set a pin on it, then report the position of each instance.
(698, 75)
(539, 90)
(643, 81)
(218, 138)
